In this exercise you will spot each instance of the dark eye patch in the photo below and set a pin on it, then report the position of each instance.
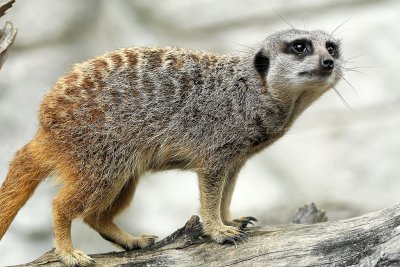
(333, 49)
(299, 47)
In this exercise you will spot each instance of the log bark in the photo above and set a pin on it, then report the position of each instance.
(369, 240)
(7, 35)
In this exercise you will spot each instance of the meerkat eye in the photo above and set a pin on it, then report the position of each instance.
(299, 47)
(332, 49)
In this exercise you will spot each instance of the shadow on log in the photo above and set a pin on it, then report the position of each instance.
(369, 240)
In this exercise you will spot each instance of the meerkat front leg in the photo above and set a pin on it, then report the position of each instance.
(211, 184)
(229, 187)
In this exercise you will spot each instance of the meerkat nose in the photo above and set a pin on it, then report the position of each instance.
(327, 63)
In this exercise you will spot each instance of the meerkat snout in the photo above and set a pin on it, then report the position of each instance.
(327, 64)
(327, 58)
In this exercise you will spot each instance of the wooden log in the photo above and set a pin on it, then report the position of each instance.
(369, 240)
(7, 35)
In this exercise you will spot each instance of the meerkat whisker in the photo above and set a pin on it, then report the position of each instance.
(353, 57)
(342, 99)
(340, 25)
(362, 67)
(241, 51)
(245, 46)
(304, 23)
(285, 20)
(354, 70)
(351, 86)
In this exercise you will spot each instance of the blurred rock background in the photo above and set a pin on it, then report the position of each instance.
(345, 161)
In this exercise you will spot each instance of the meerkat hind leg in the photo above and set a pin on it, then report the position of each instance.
(104, 225)
(64, 211)
(111, 232)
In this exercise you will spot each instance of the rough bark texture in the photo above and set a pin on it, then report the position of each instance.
(7, 35)
(369, 240)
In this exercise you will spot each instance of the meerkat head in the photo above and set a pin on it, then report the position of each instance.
(295, 60)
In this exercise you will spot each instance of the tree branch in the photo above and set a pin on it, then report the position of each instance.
(369, 240)
(7, 35)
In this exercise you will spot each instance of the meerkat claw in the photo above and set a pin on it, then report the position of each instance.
(250, 222)
(230, 240)
(245, 221)
(243, 236)
(252, 219)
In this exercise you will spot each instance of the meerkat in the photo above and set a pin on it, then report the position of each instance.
(137, 110)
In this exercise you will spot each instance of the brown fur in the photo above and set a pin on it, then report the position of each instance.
(26, 171)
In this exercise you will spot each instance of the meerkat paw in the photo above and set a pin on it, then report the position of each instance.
(227, 234)
(141, 241)
(145, 240)
(74, 258)
(242, 222)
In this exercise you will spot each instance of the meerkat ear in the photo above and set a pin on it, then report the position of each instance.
(261, 63)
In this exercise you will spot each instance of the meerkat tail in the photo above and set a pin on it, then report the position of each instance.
(25, 173)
